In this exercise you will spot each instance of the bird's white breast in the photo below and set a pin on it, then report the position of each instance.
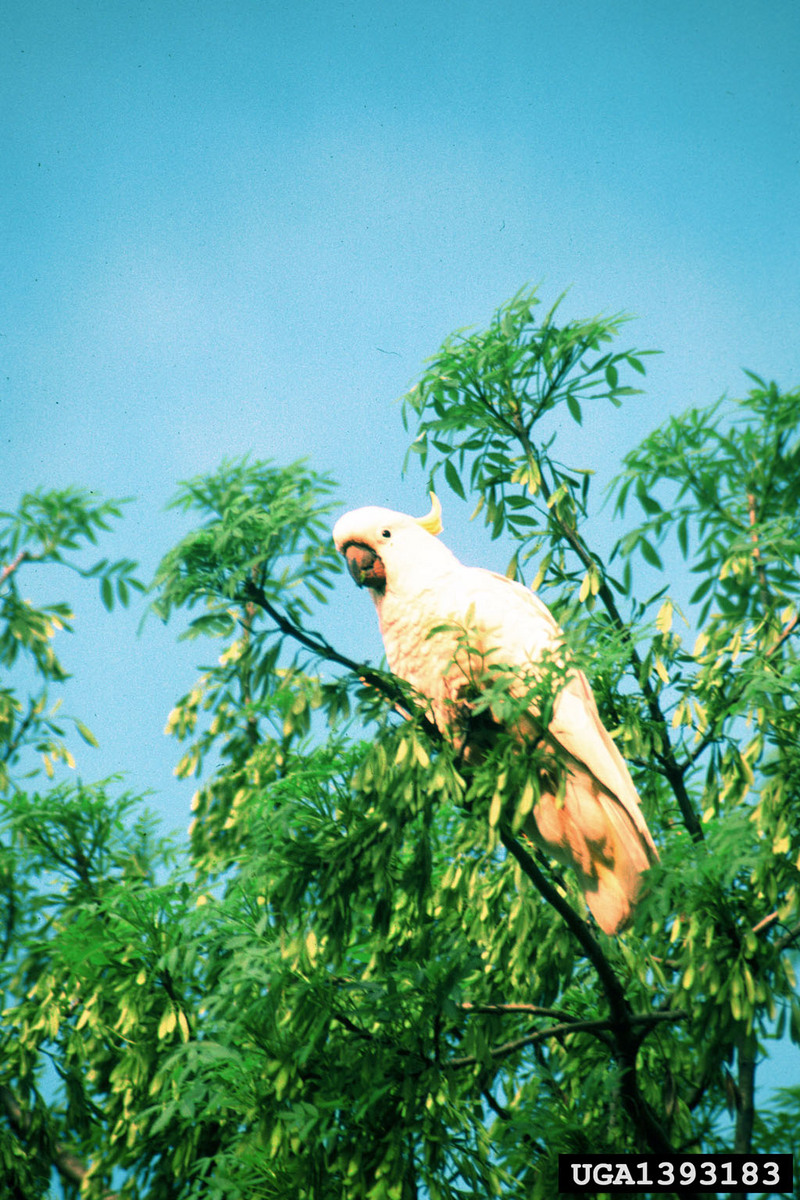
(424, 659)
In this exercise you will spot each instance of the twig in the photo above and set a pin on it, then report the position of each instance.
(745, 1093)
(531, 1009)
(506, 1114)
(654, 1018)
(495, 1105)
(576, 1026)
(14, 743)
(788, 629)
(759, 566)
(11, 567)
(765, 923)
(784, 942)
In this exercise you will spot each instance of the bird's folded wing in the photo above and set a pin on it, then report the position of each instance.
(577, 727)
(526, 627)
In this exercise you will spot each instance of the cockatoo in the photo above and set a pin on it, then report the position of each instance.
(444, 627)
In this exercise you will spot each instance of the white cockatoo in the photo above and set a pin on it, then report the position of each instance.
(590, 819)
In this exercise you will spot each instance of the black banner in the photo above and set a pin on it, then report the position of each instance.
(633, 1173)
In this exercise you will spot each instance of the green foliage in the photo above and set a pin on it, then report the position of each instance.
(477, 410)
(362, 983)
(48, 529)
(260, 524)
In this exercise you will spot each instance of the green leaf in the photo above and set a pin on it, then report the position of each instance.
(794, 1020)
(701, 590)
(107, 593)
(649, 503)
(574, 408)
(85, 732)
(452, 477)
(649, 553)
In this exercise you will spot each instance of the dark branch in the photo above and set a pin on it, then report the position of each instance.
(617, 1001)
(381, 681)
(783, 943)
(745, 1093)
(14, 744)
(565, 1027)
(621, 1023)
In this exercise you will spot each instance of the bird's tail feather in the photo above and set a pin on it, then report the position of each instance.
(591, 831)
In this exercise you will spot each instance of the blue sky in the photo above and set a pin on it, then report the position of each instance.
(235, 227)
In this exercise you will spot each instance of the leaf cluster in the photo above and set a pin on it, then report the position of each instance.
(259, 524)
(49, 529)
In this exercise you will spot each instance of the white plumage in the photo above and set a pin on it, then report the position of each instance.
(595, 825)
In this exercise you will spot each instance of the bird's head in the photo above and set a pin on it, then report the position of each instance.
(382, 546)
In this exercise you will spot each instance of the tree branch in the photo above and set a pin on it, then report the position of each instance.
(654, 1018)
(13, 745)
(746, 1049)
(766, 599)
(621, 1024)
(576, 925)
(788, 629)
(785, 942)
(379, 680)
(573, 1026)
(538, 1035)
(765, 922)
(534, 1010)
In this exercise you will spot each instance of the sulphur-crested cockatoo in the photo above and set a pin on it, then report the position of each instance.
(590, 818)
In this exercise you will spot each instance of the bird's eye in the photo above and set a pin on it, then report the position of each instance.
(386, 533)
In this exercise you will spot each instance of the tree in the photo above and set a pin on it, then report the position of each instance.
(361, 981)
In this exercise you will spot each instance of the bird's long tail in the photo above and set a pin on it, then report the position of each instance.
(591, 830)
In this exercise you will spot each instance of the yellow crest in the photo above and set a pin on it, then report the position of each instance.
(433, 522)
